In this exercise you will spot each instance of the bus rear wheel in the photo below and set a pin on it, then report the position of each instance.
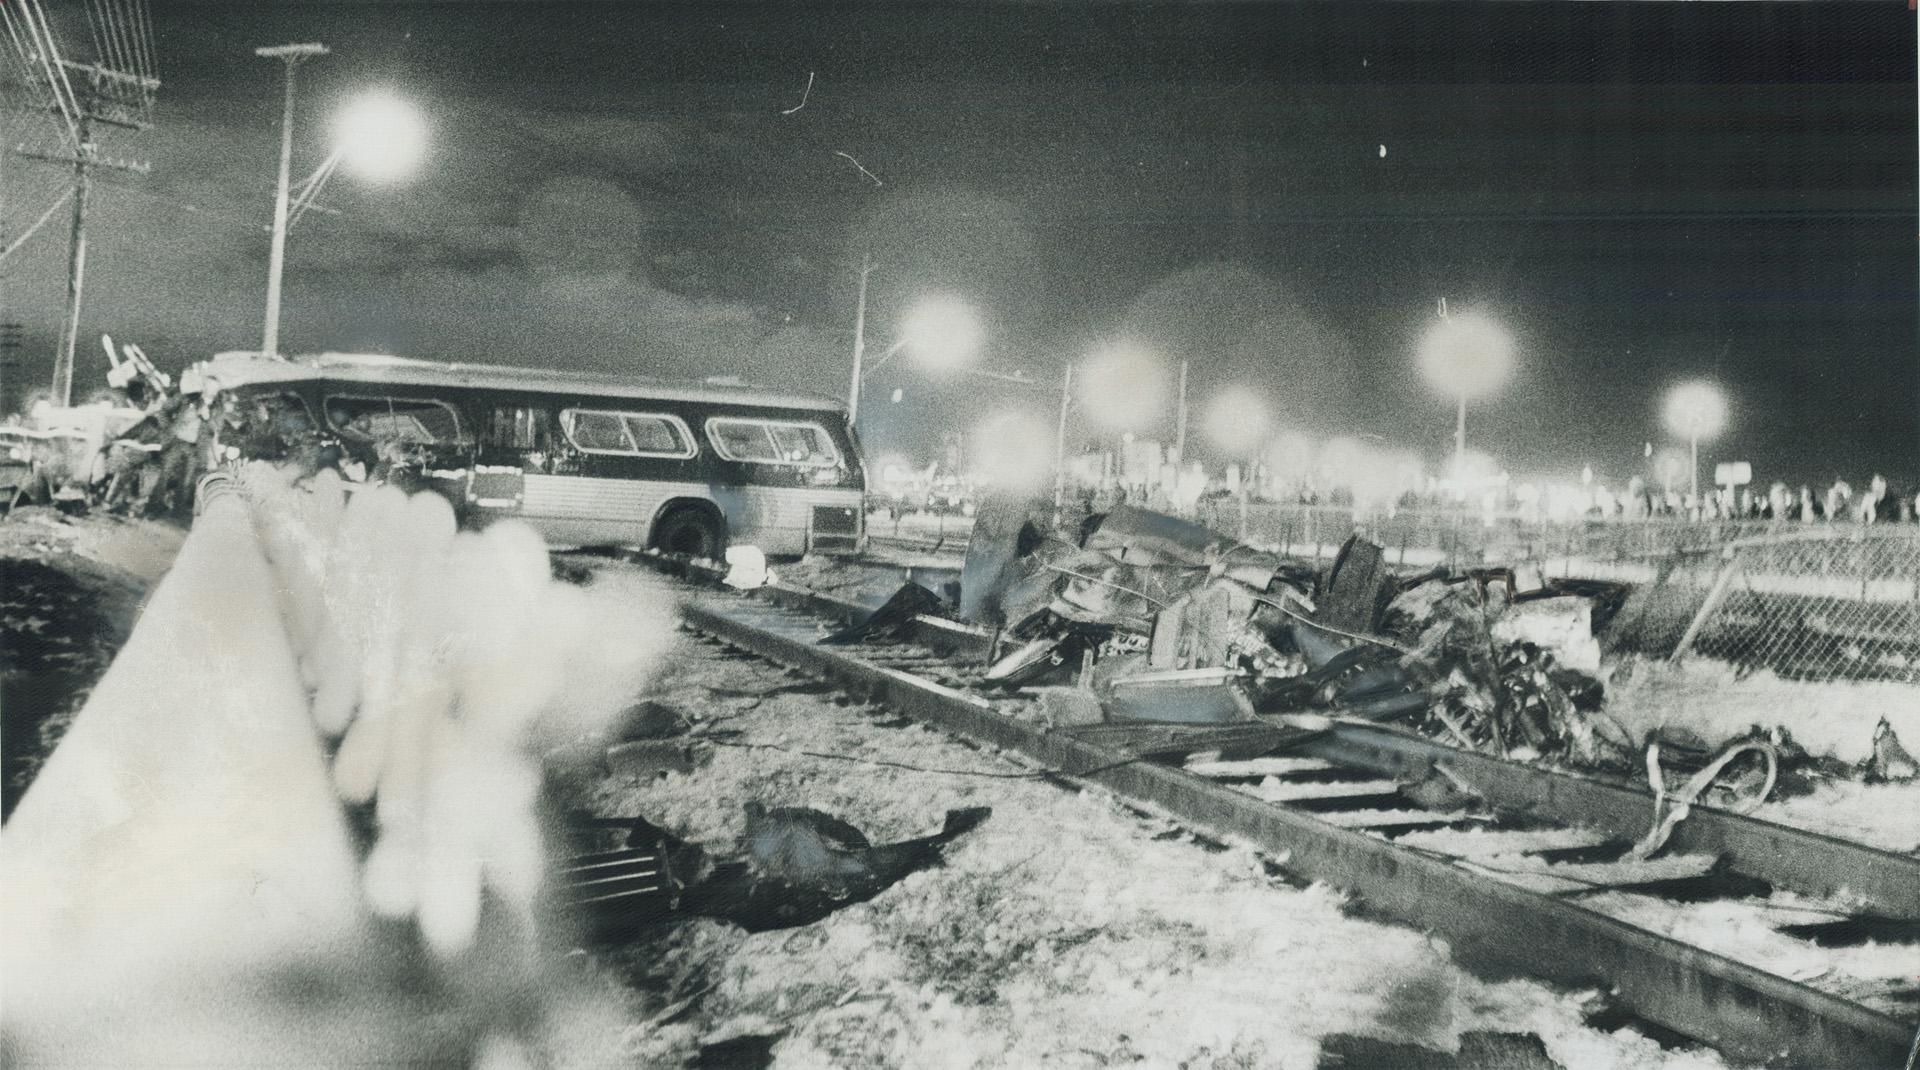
(691, 531)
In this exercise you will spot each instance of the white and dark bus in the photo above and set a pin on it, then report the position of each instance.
(586, 459)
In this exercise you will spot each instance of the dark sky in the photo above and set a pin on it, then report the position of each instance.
(1638, 192)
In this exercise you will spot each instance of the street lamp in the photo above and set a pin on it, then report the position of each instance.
(377, 136)
(1237, 423)
(1123, 387)
(380, 137)
(1695, 410)
(942, 331)
(1465, 356)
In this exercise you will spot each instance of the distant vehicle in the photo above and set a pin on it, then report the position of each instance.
(61, 451)
(586, 459)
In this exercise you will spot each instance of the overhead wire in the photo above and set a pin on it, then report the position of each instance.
(150, 64)
(56, 67)
(25, 45)
(65, 196)
(33, 51)
(95, 28)
(117, 38)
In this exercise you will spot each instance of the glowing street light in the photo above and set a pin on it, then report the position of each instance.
(1466, 356)
(1237, 422)
(378, 136)
(1123, 387)
(942, 331)
(1695, 410)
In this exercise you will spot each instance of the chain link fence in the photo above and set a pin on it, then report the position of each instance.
(1812, 601)
(1834, 603)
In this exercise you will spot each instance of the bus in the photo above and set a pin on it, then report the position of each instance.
(586, 459)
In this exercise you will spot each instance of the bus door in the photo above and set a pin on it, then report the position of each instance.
(513, 439)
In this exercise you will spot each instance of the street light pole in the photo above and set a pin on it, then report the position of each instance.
(1695, 439)
(1180, 420)
(291, 55)
(859, 341)
(1460, 442)
(1060, 445)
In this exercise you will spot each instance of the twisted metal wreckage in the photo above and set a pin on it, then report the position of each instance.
(1148, 628)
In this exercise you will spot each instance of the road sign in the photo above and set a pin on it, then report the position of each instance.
(1733, 474)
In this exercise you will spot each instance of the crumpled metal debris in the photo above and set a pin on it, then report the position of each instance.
(1159, 619)
(793, 866)
(1890, 760)
(1670, 807)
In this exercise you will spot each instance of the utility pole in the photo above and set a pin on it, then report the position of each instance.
(276, 260)
(859, 340)
(1459, 426)
(9, 367)
(106, 102)
(1180, 421)
(1060, 445)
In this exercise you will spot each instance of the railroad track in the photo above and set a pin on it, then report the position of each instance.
(954, 543)
(1540, 886)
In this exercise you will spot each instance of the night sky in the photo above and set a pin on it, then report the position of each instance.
(1639, 192)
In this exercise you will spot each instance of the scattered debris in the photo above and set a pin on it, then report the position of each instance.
(794, 866)
(656, 757)
(1891, 760)
(896, 614)
(1682, 799)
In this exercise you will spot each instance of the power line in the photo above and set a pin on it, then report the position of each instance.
(115, 97)
(64, 197)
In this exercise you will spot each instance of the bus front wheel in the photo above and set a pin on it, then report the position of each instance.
(692, 531)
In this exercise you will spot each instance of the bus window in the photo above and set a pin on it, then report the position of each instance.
(627, 434)
(265, 427)
(523, 430)
(393, 419)
(773, 442)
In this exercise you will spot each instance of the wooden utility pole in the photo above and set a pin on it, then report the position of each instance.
(112, 98)
(1180, 421)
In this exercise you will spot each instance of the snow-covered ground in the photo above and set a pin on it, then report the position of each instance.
(1067, 930)
(1835, 719)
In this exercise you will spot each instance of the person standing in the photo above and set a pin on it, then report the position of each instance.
(179, 456)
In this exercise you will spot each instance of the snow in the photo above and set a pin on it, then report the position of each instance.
(1716, 702)
(1745, 931)
(1067, 930)
(1830, 719)
(1886, 816)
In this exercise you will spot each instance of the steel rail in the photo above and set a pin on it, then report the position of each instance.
(1798, 860)
(1738, 1009)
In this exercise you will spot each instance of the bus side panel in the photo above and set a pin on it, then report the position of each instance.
(587, 511)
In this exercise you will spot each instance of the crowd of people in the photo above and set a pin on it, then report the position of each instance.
(1878, 503)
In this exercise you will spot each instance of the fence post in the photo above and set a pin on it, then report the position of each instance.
(1715, 595)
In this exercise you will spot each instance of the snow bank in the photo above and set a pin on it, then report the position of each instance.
(1065, 931)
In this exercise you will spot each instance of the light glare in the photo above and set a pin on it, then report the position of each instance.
(942, 333)
(1237, 422)
(1122, 388)
(1467, 355)
(380, 137)
(1696, 410)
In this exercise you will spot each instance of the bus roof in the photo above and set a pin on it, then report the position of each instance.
(234, 369)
